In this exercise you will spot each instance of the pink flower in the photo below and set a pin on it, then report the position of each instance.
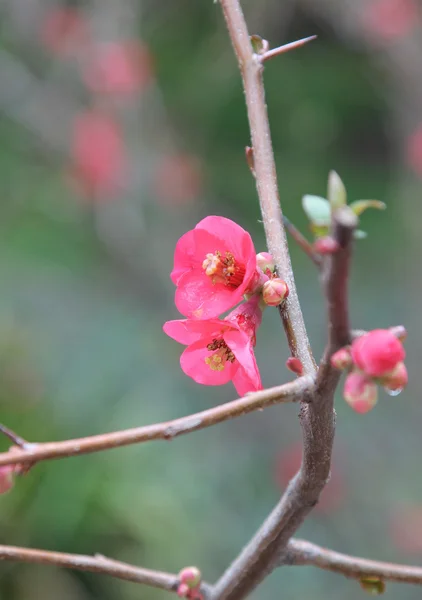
(64, 30)
(119, 68)
(360, 392)
(214, 266)
(97, 153)
(377, 352)
(221, 350)
(390, 19)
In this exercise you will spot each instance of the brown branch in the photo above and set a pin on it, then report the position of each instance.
(302, 242)
(95, 564)
(261, 554)
(14, 437)
(289, 392)
(266, 179)
(301, 552)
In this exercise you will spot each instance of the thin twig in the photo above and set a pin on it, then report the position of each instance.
(301, 552)
(289, 392)
(261, 554)
(266, 179)
(14, 437)
(95, 564)
(286, 48)
(302, 242)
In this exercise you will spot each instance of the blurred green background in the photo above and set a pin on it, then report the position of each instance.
(86, 288)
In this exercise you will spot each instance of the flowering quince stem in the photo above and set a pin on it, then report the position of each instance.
(288, 392)
(302, 242)
(301, 552)
(95, 564)
(251, 68)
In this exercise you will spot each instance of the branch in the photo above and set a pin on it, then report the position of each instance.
(95, 564)
(289, 392)
(301, 552)
(286, 48)
(302, 242)
(266, 179)
(261, 555)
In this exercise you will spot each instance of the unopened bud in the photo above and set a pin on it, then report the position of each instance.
(294, 365)
(326, 245)
(360, 392)
(336, 191)
(275, 291)
(342, 359)
(183, 590)
(377, 352)
(6, 478)
(265, 262)
(397, 379)
(191, 576)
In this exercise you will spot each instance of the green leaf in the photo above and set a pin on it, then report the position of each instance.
(317, 210)
(359, 206)
(337, 195)
(373, 585)
(360, 235)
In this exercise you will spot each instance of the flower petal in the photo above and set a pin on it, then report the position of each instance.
(197, 297)
(191, 250)
(235, 239)
(247, 377)
(187, 331)
(193, 364)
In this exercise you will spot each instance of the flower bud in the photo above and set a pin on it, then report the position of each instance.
(6, 478)
(342, 359)
(397, 379)
(265, 262)
(377, 352)
(183, 590)
(360, 392)
(326, 245)
(274, 291)
(191, 576)
(294, 365)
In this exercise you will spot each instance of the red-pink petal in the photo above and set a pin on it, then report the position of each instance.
(193, 364)
(247, 378)
(197, 297)
(190, 252)
(187, 331)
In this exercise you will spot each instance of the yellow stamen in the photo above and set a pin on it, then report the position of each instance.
(217, 360)
(223, 269)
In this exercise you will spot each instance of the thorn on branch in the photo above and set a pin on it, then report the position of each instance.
(286, 48)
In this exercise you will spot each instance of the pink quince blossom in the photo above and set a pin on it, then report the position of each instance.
(377, 352)
(221, 350)
(118, 68)
(214, 266)
(98, 153)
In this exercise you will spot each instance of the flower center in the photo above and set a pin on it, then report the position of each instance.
(223, 269)
(217, 360)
